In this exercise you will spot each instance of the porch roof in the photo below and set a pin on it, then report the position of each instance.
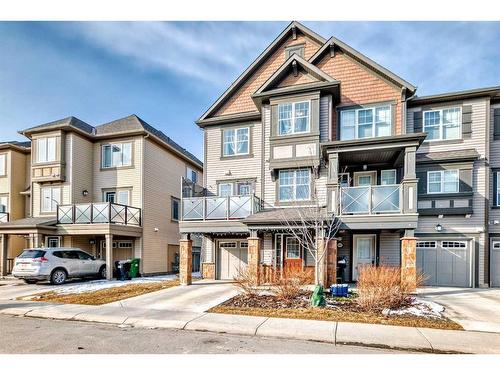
(30, 222)
(281, 215)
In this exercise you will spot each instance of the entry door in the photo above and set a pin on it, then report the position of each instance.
(365, 178)
(495, 263)
(293, 259)
(363, 254)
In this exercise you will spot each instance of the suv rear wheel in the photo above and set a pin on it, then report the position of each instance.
(58, 277)
(102, 272)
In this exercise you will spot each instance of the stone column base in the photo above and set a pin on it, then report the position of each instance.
(409, 262)
(185, 262)
(254, 257)
(331, 263)
(208, 271)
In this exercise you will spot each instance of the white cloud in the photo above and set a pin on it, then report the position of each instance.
(212, 52)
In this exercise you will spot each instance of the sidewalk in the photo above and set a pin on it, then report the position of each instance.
(338, 333)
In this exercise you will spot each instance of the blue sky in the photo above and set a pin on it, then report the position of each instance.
(169, 73)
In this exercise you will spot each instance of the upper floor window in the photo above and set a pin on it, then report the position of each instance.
(225, 189)
(120, 196)
(51, 197)
(116, 155)
(4, 203)
(45, 149)
(388, 177)
(191, 175)
(293, 118)
(294, 185)
(365, 123)
(442, 124)
(236, 142)
(3, 164)
(442, 181)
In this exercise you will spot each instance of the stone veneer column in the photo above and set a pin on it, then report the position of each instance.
(185, 261)
(254, 255)
(409, 259)
(331, 263)
(109, 256)
(4, 247)
(208, 271)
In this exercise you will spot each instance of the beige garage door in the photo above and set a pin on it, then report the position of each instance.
(495, 263)
(232, 257)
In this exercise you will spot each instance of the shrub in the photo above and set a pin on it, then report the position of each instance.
(291, 284)
(381, 287)
(248, 281)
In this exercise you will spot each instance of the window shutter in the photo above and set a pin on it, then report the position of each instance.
(496, 124)
(466, 121)
(417, 122)
(495, 183)
(422, 182)
(274, 120)
(465, 184)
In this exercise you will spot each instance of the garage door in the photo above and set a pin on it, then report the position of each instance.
(232, 258)
(495, 263)
(445, 263)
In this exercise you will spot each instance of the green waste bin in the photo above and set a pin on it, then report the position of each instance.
(134, 267)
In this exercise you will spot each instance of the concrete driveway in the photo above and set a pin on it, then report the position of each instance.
(474, 309)
(198, 297)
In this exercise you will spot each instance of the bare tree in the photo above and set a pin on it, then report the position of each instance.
(313, 226)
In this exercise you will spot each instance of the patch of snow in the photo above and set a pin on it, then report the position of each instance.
(420, 308)
(94, 285)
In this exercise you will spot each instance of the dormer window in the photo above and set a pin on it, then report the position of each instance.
(293, 118)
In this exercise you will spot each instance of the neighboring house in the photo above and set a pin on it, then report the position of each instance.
(112, 190)
(409, 177)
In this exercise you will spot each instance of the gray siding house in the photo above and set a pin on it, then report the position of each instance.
(412, 179)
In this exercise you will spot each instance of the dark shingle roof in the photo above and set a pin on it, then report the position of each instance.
(68, 121)
(30, 222)
(26, 144)
(135, 123)
(462, 155)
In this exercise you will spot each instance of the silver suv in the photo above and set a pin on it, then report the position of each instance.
(56, 264)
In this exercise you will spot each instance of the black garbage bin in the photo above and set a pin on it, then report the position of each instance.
(341, 266)
(123, 269)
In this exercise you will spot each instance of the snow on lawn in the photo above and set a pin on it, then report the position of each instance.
(92, 286)
(419, 308)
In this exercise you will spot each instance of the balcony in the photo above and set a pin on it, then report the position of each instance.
(98, 213)
(219, 208)
(4, 217)
(371, 200)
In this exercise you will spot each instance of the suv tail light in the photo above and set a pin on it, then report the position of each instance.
(40, 260)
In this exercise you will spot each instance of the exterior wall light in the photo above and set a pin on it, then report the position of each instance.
(438, 227)
(85, 192)
(156, 229)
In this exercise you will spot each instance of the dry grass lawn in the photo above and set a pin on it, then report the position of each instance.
(103, 296)
(339, 315)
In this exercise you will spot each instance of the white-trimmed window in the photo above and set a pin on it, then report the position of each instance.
(443, 124)
(244, 188)
(442, 181)
(427, 244)
(388, 177)
(176, 203)
(294, 185)
(120, 196)
(3, 164)
(191, 175)
(46, 149)
(293, 118)
(116, 155)
(292, 248)
(236, 141)
(365, 122)
(225, 189)
(50, 198)
(496, 245)
(497, 174)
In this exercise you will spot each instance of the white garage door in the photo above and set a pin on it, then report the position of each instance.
(445, 263)
(495, 263)
(232, 258)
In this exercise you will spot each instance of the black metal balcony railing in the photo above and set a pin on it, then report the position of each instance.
(220, 208)
(376, 199)
(4, 217)
(98, 213)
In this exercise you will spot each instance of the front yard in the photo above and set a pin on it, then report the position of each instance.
(416, 314)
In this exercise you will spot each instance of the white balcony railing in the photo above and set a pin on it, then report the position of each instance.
(98, 213)
(375, 199)
(4, 217)
(219, 208)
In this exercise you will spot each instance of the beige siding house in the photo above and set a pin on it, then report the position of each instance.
(413, 180)
(112, 190)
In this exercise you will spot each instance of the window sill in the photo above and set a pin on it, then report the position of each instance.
(295, 203)
(232, 157)
(438, 142)
(446, 195)
(116, 168)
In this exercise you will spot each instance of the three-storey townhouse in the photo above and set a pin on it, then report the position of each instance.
(112, 190)
(314, 122)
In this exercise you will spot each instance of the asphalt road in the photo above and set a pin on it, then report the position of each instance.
(20, 335)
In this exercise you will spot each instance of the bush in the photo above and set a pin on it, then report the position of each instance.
(291, 284)
(381, 287)
(248, 281)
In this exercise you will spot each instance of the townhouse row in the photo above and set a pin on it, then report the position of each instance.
(112, 190)
(413, 180)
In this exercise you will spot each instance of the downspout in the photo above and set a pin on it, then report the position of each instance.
(404, 108)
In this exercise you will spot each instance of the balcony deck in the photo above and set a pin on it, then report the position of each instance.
(219, 208)
(4, 217)
(99, 213)
(371, 200)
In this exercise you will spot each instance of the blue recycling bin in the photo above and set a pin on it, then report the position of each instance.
(339, 290)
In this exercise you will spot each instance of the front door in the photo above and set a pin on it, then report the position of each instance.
(364, 252)
(293, 259)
